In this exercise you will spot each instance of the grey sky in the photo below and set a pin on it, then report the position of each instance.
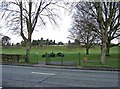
(58, 33)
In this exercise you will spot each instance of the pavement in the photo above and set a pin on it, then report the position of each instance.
(25, 76)
(64, 67)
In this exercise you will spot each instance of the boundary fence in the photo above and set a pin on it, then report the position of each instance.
(68, 59)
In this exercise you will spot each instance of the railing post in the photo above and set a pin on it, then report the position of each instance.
(46, 58)
(62, 61)
(79, 59)
(37, 57)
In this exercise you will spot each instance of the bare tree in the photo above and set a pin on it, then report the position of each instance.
(112, 22)
(24, 15)
(82, 32)
(104, 21)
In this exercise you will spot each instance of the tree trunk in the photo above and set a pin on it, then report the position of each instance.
(102, 31)
(107, 49)
(87, 50)
(103, 50)
(28, 48)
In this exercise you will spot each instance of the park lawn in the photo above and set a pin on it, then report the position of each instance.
(93, 58)
(111, 61)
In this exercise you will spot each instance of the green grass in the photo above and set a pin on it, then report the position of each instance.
(93, 57)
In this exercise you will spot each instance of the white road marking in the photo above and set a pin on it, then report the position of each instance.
(42, 73)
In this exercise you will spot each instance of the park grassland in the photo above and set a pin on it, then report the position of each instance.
(93, 58)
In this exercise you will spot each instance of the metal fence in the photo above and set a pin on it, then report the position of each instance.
(34, 58)
(68, 59)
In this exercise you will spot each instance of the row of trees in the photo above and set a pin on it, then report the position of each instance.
(46, 42)
(43, 42)
(6, 42)
(96, 21)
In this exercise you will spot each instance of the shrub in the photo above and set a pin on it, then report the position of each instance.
(43, 55)
(60, 54)
(52, 54)
(49, 55)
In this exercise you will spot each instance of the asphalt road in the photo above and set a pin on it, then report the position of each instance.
(21, 76)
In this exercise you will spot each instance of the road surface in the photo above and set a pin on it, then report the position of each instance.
(21, 76)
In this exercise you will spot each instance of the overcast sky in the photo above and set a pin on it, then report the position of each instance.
(57, 33)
